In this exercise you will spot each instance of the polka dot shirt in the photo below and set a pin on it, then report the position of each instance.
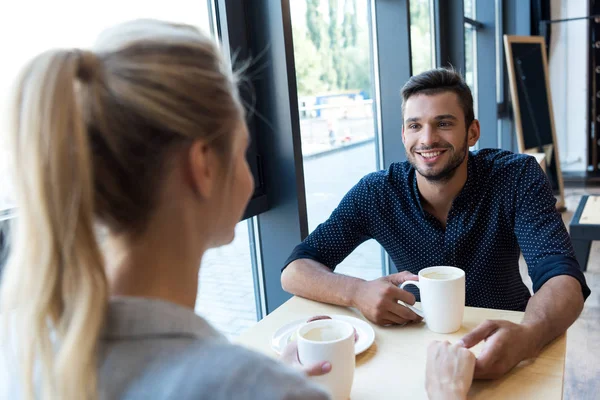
(505, 207)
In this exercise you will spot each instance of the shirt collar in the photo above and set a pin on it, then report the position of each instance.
(134, 317)
(463, 194)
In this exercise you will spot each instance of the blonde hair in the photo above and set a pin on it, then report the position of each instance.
(90, 138)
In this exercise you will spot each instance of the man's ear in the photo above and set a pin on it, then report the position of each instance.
(202, 168)
(473, 133)
(403, 138)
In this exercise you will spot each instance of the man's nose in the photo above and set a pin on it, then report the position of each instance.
(428, 136)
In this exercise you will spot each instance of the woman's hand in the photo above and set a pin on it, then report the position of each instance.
(290, 357)
(449, 371)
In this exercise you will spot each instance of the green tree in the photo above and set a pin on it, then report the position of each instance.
(359, 71)
(318, 35)
(420, 35)
(350, 36)
(308, 64)
(350, 24)
(332, 56)
(328, 72)
(358, 60)
(335, 47)
(314, 22)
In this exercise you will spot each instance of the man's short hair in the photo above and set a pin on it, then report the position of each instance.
(441, 80)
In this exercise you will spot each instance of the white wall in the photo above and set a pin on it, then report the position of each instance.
(28, 27)
(569, 81)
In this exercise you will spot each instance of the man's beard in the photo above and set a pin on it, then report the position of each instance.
(448, 171)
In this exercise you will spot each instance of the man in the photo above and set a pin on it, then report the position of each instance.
(448, 206)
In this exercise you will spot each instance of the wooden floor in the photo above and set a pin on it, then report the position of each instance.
(582, 373)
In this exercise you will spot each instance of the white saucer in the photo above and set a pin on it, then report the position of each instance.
(366, 334)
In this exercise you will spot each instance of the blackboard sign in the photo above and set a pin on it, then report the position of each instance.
(532, 104)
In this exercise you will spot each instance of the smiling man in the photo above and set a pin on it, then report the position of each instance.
(448, 206)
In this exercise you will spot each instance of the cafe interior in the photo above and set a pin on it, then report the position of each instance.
(322, 82)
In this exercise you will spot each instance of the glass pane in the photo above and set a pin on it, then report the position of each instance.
(335, 93)
(226, 291)
(226, 287)
(471, 61)
(421, 36)
(469, 6)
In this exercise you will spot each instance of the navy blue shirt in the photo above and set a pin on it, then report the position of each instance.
(506, 207)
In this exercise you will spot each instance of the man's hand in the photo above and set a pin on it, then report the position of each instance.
(377, 300)
(449, 371)
(290, 357)
(506, 345)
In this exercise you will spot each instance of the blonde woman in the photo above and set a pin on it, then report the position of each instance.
(144, 136)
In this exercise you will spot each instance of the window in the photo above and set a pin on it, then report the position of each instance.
(471, 26)
(421, 36)
(226, 295)
(469, 7)
(335, 94)
(471, 60)
(226, 291)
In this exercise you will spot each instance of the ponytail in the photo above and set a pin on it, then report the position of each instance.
(54, 289)
(91, 140)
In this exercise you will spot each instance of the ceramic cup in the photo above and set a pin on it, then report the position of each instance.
(329, 340)
(442, 297)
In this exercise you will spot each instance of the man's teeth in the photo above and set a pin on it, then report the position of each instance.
(431, 154)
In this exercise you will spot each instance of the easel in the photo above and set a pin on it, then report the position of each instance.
(517, 77)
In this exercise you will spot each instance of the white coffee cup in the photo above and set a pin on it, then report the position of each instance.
(442, 297)
(333, 341)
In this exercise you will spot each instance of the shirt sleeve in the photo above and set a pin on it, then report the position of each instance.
(540, 231)
(347, 227)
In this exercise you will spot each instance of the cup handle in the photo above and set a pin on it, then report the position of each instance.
(413, 308)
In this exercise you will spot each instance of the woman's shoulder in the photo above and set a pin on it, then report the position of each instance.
(219, 370)
(259, 376)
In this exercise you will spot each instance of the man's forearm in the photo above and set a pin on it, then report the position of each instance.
(553, 309)
(312, 280)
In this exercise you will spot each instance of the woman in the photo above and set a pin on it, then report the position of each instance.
(145, 137)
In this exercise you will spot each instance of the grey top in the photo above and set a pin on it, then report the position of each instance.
(151, 349)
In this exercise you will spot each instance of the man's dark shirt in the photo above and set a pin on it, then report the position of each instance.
(506, 207)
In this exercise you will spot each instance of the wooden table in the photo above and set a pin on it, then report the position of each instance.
(394, 366)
